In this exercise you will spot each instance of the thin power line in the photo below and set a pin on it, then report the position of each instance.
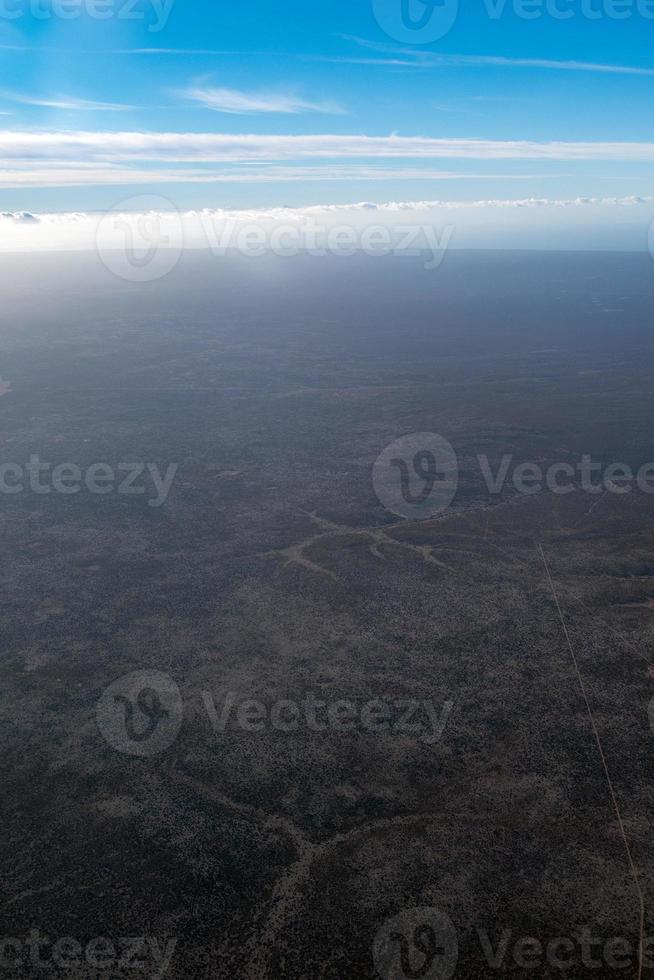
(614, 799)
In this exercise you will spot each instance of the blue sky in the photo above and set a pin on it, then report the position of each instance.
(506, 107)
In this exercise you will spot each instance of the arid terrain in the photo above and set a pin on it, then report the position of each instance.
(272, 573)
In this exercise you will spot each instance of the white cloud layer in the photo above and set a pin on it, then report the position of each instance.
(612, 223)
(226, 147)
(33, 158)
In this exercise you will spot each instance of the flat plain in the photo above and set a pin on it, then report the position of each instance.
(272, 572)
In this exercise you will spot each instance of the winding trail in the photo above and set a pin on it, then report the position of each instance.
(278, 910)
(376, 537)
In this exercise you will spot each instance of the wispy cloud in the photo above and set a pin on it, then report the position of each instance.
(187, 52)
(490, 61)
(58, 174)
(394, 56)
(412, 58)
(190, 52)
(550, 64)
(235, 102)
(64, 102)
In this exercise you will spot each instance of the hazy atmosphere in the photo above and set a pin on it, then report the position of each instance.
(326, 490)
